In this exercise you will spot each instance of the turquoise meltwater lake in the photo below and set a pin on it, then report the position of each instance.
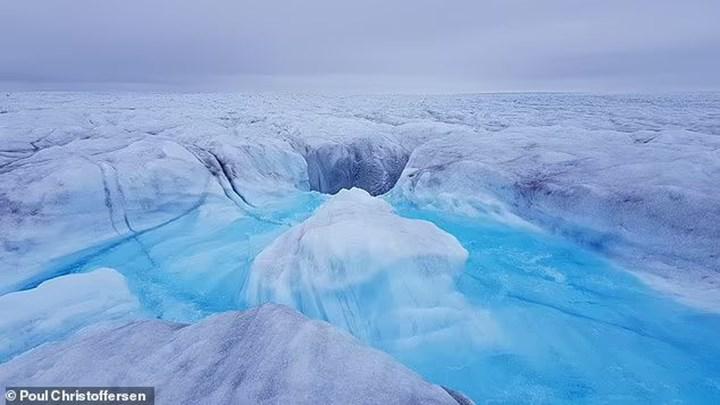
(569, 325)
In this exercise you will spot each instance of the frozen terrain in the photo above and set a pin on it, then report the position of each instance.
(517, 248)
(268, 355)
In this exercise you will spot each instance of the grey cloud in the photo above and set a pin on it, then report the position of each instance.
(400, 45)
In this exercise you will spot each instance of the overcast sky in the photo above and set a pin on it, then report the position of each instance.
(435, 46)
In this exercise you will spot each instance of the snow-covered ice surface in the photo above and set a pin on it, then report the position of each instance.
(591, 223)
(270, 355)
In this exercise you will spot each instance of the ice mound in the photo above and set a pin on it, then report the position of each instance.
(268, 355)
(356, 264)
(62, 305)
(95, 191)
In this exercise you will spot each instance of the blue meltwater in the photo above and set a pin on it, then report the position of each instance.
(499, 312)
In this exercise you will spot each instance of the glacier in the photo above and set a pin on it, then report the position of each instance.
(268, 355)
(515, 247)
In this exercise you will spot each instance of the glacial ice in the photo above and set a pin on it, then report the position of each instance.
(632, 176)
(181, 193)
(648, 199)
(268, 355)
(60, 306)
(61, 200)
(386, 279)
